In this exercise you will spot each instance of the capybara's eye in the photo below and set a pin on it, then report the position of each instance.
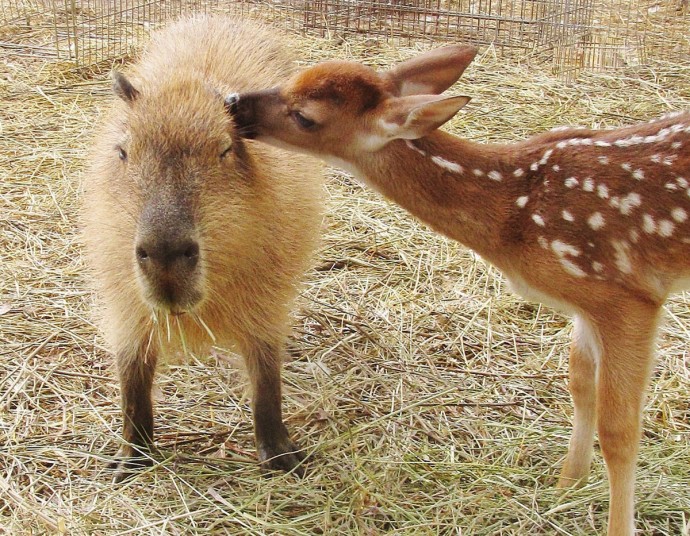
(302, 121)
(122, 154)
(226, 153)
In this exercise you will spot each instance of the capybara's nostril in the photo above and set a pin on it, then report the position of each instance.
(167, 254)
(191, 254)
(192, 250)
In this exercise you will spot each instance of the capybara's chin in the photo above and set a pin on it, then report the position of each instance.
(172, 297)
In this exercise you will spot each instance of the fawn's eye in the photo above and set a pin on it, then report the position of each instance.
(302, 121)
(122, 154)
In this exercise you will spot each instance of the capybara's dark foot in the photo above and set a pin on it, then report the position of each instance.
(129, 461)
(282, 455)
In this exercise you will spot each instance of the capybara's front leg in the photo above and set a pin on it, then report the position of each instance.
(273, 444)
(136, 370)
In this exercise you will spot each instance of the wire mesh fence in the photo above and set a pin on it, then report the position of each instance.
(571, 34)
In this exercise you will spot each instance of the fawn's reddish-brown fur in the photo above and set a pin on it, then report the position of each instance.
(194, 237)
(595, 223)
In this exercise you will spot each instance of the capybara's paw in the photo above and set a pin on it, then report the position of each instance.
(282, 455)
(127, 462)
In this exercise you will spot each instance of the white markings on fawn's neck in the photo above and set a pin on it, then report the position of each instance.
(447, 164)
(454, 167)
(439, 161)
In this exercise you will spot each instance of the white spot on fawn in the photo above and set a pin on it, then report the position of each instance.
(567, 216)
(629, 202)
(519, 172)
(572, 268)
(414, 147)
(648, 224)
(597, 267)
(571, 182)
(543, 242)
(447, 164)
(561, 249)
(522, 201)
(588, 185)
(682, 182)
(556, 167)
(676, 145)
(621, 256)
(596, 221)
(538, 220)
(495, 176)
(626, 166)
(679, 214)
(666, 228)
(638, 174)
(634, 236)
(478, 172)
(604, 160)
(603, 191)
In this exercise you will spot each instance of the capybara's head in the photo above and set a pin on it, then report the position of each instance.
(177, 149)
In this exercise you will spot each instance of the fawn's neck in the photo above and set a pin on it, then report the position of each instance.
(464, 190)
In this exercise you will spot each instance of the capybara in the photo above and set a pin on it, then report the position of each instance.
(195, 236)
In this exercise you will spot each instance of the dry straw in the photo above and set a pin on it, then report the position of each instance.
(432, 399)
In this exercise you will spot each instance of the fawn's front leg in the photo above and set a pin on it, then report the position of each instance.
(273, 444)
(136, 369)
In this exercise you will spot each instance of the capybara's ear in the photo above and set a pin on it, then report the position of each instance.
(123, 88)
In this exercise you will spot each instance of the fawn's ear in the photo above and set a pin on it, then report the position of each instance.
(431, 73)
(416, 116)
(123, 88)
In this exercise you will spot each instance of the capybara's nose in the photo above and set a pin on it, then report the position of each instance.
(167, 255)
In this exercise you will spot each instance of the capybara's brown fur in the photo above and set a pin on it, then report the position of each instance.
(195, 236)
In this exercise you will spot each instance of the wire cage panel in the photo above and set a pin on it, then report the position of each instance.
(571, 34)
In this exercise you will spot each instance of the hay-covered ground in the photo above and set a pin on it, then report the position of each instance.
(433, 399)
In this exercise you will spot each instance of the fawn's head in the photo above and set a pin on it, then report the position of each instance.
(344, 109)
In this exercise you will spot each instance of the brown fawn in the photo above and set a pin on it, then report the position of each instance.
(595, 223)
